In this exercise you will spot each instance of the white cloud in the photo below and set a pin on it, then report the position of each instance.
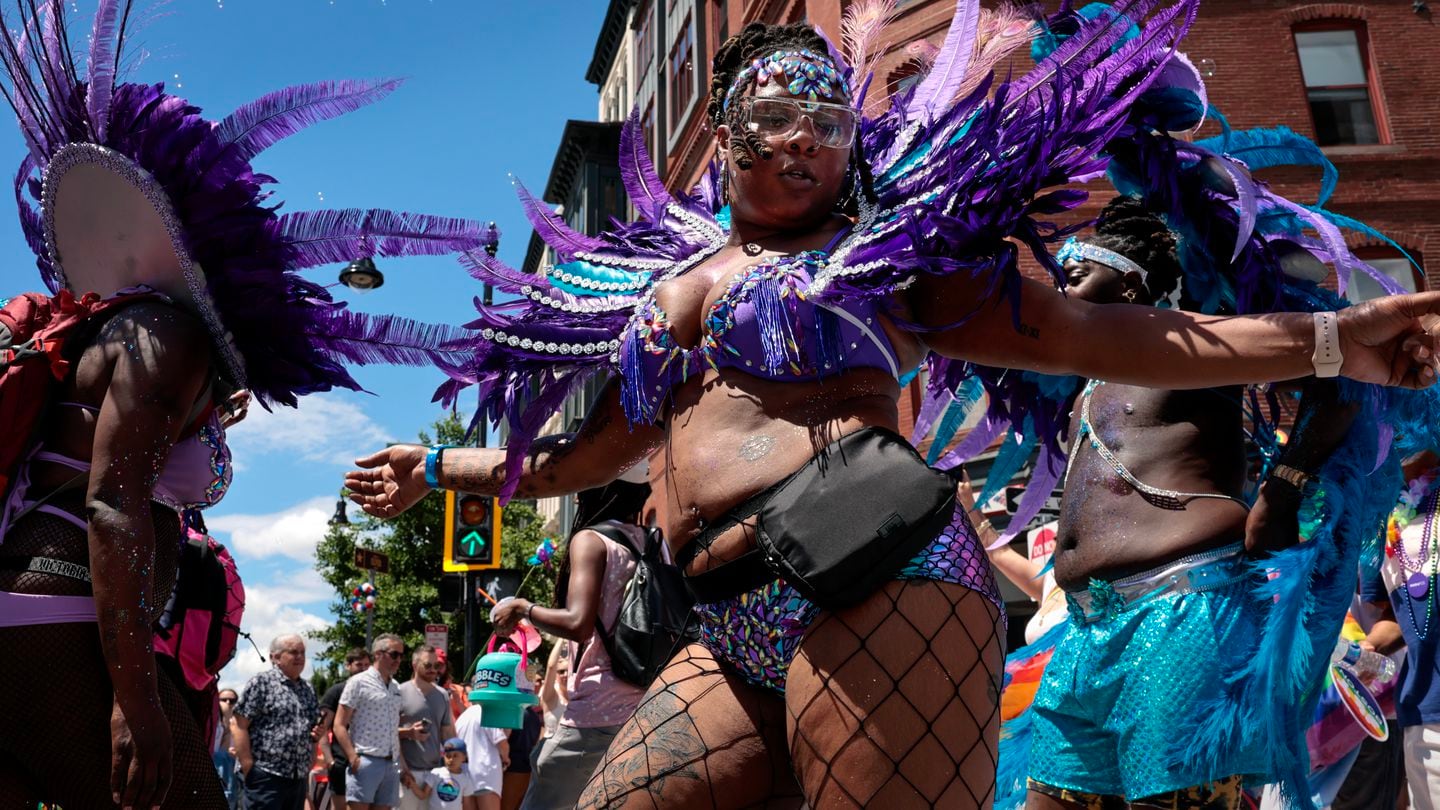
(326, 428)
(293, 532)
(270, 611)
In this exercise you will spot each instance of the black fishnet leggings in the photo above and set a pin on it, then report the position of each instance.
(56, 697)
(893, 703)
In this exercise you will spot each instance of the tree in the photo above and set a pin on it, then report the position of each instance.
(409, 596)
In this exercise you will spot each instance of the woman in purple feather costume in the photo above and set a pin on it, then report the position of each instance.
(740, 350)
(134, 201)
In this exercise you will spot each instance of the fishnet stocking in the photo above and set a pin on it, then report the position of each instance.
(701, 738)
(894, 703)
(55, 707)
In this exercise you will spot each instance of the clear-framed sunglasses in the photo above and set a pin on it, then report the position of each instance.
(833, 124)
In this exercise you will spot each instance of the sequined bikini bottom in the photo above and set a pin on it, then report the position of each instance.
(757, 633)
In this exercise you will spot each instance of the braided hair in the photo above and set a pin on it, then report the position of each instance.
(756, 40)
(1127, 227)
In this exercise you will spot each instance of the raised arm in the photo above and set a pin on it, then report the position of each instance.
(606, 445)
(1383, 341)
(158, 358)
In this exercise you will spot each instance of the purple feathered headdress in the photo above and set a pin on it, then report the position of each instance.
(234, 258)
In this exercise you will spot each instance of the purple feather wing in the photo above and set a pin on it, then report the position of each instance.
(275, 116)
(329, 237)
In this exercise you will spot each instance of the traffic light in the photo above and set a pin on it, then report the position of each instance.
(472, 532)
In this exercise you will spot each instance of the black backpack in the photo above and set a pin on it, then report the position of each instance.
(654, 613)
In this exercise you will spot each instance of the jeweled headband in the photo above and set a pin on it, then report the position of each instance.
(807, 73)
(1082, 251)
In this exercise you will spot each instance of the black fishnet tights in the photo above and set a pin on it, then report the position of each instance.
(56, 701)
(893, 704)
(701, 738)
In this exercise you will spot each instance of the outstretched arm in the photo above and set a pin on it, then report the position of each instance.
(606, 445)
(1383, 341)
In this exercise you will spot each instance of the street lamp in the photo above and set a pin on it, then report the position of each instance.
(340, 518)
(362, 275)
(492, 238)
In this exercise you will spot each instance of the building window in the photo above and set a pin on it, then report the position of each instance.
(682, 75)
(1391, 263)
(721, 25)
(644, 44)
(1335, 64)
(648, 121)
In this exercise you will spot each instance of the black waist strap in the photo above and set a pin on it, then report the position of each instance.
(745, 573)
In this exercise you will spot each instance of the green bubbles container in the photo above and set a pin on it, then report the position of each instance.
(501, 690)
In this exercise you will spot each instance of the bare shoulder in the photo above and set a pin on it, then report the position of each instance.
(156, 338)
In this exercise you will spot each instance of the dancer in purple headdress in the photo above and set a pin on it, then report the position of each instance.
(138, 195)
(850, 647)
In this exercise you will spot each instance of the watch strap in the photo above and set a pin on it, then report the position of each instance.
(1327, 357)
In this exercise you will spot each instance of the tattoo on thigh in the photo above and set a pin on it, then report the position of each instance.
(669, 749)
(756, 447)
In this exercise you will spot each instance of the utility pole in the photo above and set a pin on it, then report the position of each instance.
(471, 597)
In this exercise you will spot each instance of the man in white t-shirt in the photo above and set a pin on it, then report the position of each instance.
(488, 750)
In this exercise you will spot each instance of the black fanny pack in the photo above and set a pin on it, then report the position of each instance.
(838, 528)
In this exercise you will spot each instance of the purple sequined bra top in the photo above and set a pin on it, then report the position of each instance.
(765, 325)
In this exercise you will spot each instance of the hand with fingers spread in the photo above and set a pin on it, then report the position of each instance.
(1385, 341)
(390, 481)
(141, 757)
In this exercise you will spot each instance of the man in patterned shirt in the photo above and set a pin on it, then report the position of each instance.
(274, 722)
(367, 727)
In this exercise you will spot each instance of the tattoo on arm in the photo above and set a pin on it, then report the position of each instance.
(1026, 330)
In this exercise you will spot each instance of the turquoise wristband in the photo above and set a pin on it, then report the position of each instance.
(432, 465)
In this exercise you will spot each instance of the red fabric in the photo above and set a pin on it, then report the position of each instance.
(42, 323)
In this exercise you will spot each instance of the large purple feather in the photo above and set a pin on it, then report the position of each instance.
(265, 121)
(647, 191)
(101, 77)
(938, 88)
(551, 227)
(368, 339)
(342, 235)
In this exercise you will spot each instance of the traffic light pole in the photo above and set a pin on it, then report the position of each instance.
(472, 599)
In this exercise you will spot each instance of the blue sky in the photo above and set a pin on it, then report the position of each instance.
(489, 87)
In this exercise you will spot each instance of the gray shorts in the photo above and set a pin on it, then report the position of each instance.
(377, 782)
(564, 765)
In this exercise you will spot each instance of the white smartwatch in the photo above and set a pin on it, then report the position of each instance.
(1327, 357)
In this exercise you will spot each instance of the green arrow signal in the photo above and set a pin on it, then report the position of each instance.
(473, 543)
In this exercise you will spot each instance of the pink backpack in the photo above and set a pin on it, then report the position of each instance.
(201, 625)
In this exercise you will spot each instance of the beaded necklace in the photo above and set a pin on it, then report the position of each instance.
(1417, 573)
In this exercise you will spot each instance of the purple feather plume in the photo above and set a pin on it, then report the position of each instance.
(256, 126)
(101, 78)
(342, 235)
(943, 81)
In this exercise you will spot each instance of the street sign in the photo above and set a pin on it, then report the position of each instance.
(1048, 512)
(437, 635)
(371, 560)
